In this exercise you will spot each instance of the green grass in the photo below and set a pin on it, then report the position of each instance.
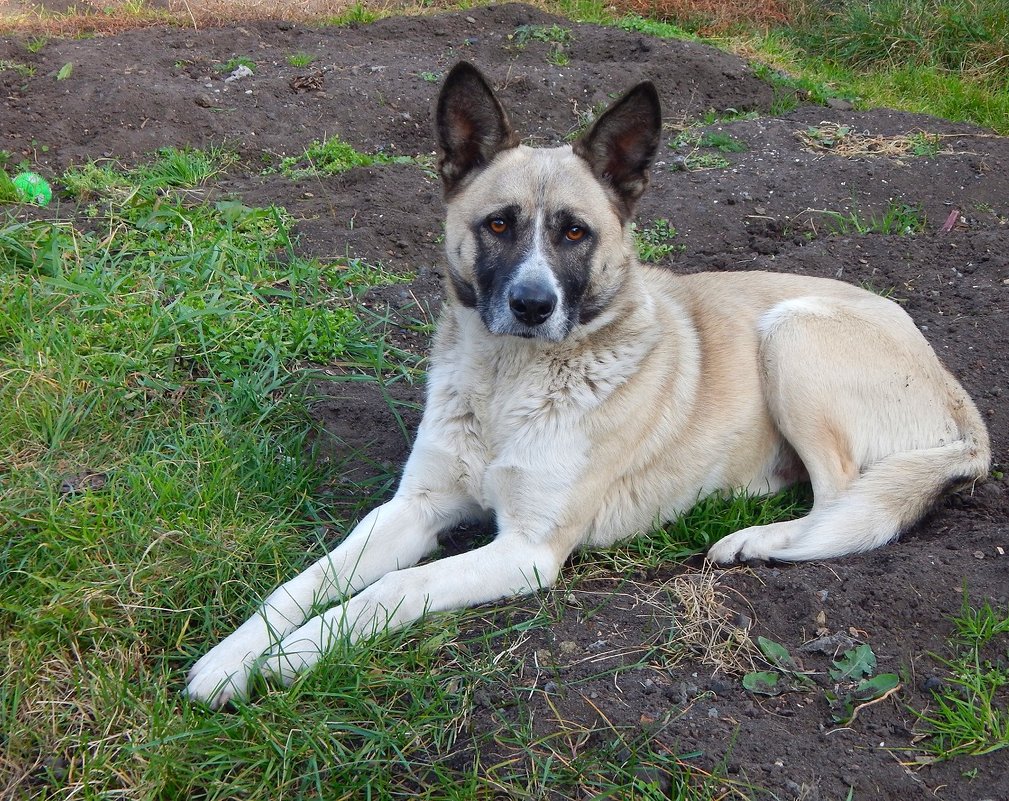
(233, 64)
(8, 192)
(899, 219)
(360, 13)
(969, 714)
(955, 36)
(333, 156)
(948, 58)
(156, 339)
(24, 70)
(300, 59)
(159, 479)
(656, 241)
(172, 168)
(555, 35)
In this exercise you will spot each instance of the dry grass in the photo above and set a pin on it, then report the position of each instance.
(710, 17)
(706, 627)
(842, 140)
(95, 17)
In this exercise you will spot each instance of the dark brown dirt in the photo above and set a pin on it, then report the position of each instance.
(141, 90)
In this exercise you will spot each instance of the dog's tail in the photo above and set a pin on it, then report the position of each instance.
(892, 495)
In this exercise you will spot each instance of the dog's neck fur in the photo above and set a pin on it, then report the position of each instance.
(585, 368)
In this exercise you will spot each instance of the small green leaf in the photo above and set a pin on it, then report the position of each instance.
(876, 687)
(856, 663)
(65, 71)
(777, 654)
(762, 682)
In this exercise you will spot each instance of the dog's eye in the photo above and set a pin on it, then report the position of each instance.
(575, 233)
(497, 225)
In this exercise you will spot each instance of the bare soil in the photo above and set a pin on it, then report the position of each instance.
(137, 91)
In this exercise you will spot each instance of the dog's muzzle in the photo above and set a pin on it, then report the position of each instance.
(532, 302)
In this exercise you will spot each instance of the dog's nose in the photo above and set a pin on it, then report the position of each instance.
(531, 303)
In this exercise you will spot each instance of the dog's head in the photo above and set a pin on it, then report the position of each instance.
(538, 238)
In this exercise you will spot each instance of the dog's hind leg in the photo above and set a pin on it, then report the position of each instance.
(393, 536)
(881, 427)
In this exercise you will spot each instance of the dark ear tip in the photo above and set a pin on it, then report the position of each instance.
(649, 92)
(460, 68)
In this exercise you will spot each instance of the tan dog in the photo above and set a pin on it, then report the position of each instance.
(576, 397)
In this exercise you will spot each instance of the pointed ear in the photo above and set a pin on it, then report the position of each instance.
(621, 145)
(471, 125)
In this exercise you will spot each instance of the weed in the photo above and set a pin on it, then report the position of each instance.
(722, 142)
(713, 116)
(558, 57)
(842, 140)
(358, 14)
(333, 156)
(554, 35)
(430, 77)
(693, 141)
(34, 44)
(655, 242)
(854, 685)
(969, 715)
(651, 27)
(300, 59)
(585, 118)
(233, 64)
(172, 168)
(788, 91)
(8, 192)
(900, 219)
(24, 70)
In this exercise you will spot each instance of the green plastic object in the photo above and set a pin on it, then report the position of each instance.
(33, 188)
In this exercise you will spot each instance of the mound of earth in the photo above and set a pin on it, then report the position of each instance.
(784, 197)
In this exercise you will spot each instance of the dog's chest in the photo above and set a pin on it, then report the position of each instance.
(506, 407)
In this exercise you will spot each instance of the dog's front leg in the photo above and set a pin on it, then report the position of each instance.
(395, 535)
(511, 565)
(539, 527)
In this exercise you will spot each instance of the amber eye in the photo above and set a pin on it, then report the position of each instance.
(574, 233)
(497, 225)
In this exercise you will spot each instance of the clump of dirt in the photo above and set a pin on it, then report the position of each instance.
(773, 202)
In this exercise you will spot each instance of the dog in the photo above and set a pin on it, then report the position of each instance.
(576, 397)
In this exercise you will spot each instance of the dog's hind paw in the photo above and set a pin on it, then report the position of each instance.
(740, 546)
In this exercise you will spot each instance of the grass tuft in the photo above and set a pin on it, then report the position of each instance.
(969, 714)
(333, 156)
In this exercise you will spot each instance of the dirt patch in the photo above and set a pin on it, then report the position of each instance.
(775, 203)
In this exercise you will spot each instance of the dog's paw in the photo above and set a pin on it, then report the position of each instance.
(223, 673)
(297, 652)
(737, 547)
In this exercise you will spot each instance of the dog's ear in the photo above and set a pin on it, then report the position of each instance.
(471, 125)
(621, 145)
